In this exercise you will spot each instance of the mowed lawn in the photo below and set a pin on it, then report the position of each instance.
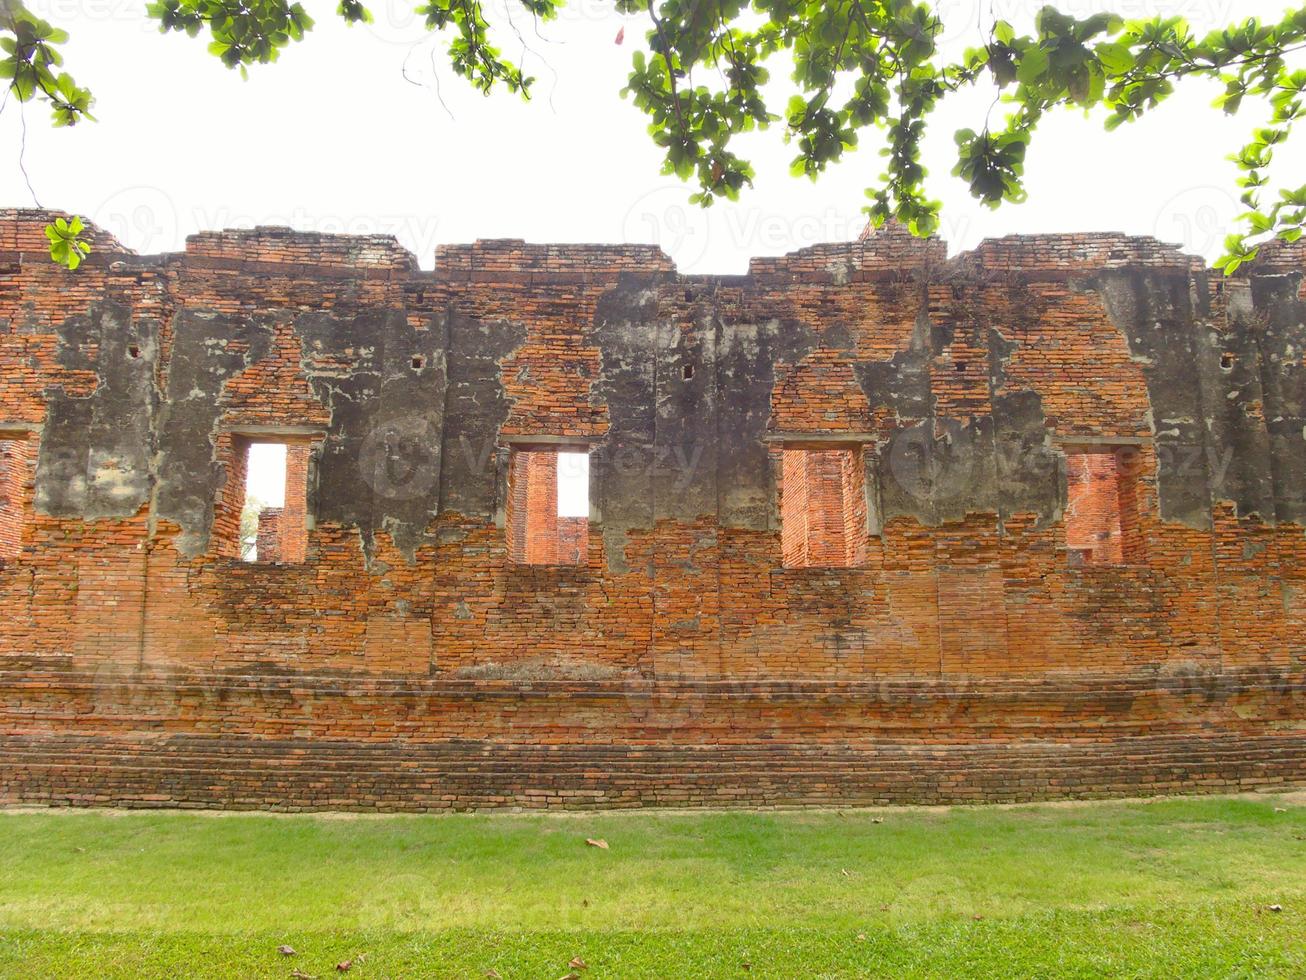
(1184, 887)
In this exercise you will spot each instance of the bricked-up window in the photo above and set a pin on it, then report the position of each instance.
(1101, 505)
(823, 508)
(15, 482)
(548, 507)
(265, 502)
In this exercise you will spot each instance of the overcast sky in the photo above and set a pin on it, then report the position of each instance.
(334, 138)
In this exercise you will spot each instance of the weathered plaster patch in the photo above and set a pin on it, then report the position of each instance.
(95, 451)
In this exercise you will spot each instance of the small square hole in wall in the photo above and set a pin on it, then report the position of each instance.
(687, 372)
(1101, 516)
(418, 362)
(1227, 361)
(823, 517)
(548, 507)
(271, 517)
(134, 351)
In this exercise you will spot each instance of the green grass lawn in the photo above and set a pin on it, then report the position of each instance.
(1168, 888)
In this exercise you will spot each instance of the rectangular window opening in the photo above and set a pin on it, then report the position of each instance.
(548, 507)
(1101, 516)
(823, 508)
(272, 512)
(15, 483)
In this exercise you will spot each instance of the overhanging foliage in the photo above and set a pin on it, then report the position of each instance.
(856, 65)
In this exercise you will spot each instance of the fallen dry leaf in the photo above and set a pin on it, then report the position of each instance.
(844, 872)
(493, 974)
(1275, 908)
(573, 975)
(861, 937)
(746, 965)
(344, 967)
(301, 975)
(598, 842)
(286, 950)
(578, 964)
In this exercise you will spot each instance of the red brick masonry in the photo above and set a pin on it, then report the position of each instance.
(866, 524)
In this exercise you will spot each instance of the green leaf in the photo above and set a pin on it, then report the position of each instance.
(1032, 64)
(354, 12)
(1116, 57)
(67, 248)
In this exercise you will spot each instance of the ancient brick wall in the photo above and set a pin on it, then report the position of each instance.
(15, 495)
(867, 523)
(1093, 494)
(293, 532)
(267, 538)
(823, 508)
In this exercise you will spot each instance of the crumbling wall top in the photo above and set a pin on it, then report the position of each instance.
(1074, 253)
(23, 230)
(497, 257)
(888, 251)
(1279, 257)
(891, 248)
(282, 245)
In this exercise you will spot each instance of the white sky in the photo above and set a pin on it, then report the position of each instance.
(573, 485)
(265, 479)
(333, 138)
